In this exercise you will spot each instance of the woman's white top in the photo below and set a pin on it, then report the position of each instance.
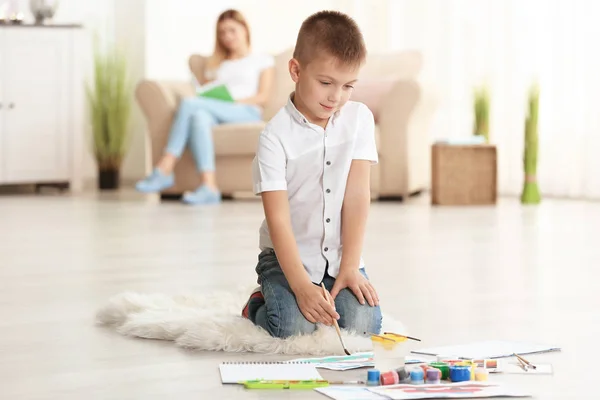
(241, 76)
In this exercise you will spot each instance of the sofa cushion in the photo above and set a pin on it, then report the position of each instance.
(371, 92)
(282, 84)
(381, 72)
(406, 64)
(237, 139)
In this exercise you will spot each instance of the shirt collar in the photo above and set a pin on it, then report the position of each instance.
(301, 119)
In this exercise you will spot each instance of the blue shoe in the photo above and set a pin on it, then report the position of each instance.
(155, 182)
(203, 195)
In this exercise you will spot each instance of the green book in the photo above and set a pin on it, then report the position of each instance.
(218, 92)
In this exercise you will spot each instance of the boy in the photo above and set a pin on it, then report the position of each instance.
(312, 170)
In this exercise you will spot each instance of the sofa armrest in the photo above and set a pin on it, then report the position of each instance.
(404, 121)
(158, 101)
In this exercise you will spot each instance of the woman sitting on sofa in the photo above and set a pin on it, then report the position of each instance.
(246, 76)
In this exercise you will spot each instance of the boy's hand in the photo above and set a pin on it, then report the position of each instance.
(314, 306)
(360, 286)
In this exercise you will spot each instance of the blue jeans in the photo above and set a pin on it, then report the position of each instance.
(193, 125)
(280, 315)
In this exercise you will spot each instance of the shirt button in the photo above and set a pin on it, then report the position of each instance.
(328, 191)
(326, 248)
(328, 163)
(328, 220)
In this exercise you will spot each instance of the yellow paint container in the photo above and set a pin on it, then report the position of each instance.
(389, 351)
(481, 374)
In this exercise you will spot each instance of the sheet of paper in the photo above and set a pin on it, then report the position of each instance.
(349, 393)
(340, 363)
(239, 372)
(487, 349)
(542, 369)
(353, 361)
(461, 390)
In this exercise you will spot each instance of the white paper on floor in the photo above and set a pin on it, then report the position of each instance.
(213, 322)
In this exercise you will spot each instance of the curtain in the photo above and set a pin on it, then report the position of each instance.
(508, 45)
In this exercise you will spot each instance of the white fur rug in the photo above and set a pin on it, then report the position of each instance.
(213, 322)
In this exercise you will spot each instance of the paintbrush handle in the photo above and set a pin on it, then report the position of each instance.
(326, 294)
(525, 361)
(383, 337)
(404, 336)
(337, 328)
(335, 323)
(521, 358)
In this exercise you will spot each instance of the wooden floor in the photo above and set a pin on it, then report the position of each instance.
(450, 274)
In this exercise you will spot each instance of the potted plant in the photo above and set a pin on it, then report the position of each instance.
(109, 98)
(481, 109)
(531, 191)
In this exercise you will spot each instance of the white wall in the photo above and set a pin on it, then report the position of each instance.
(464, 42)
(181, 27)
(160, 35)
(509, 45)
(175, 29)
(124, 25)
(130, 34)
(94, 14)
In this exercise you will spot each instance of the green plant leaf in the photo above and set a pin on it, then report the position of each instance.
(481, 110)
(109, 98)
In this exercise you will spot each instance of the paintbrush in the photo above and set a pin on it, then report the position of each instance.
(404, 336)
(525, 361)
(335, 323)
(522, 364)
(383, 337)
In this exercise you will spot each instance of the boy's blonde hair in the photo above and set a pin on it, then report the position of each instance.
(333, 33)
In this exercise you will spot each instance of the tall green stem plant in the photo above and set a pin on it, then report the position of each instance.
(531, 192)
(109, 99)
(481, 109)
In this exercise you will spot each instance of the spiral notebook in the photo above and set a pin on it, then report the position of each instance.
(236, 372)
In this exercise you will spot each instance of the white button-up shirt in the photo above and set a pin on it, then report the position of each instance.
(312, 164)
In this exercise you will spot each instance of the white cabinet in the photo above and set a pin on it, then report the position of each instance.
(41, 106)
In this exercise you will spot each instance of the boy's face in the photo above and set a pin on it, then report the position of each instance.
(323, 86)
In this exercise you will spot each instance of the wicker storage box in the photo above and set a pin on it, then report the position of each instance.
(463, 174)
